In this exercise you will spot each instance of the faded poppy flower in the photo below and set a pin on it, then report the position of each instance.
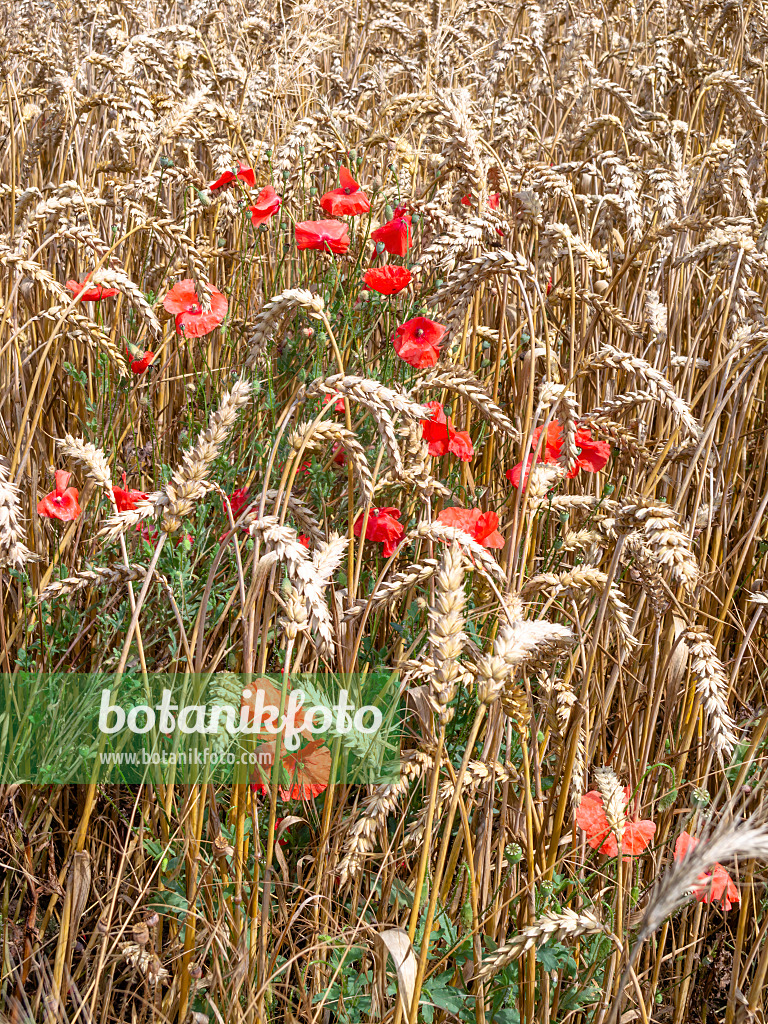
(712, 885)
(590, 816)
(244, 173)
(271, 697)
(417, 341)
(325, 235)
(61, 503)
(395, 235)
(387, 280)
(183, 301)
(139, 364)
(382, 528)
(346, 201)
(481, 526)
(443, 438)
(125, 498)
(309, 770)
(90, 292)
(267, 204)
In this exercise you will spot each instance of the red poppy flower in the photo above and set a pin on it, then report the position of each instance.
(238, 501)
(493, 200)
(325, 235)
(266, 206)
(221, 182)
(395, 234)
(339, 406)
(382, 527)
(339, 455)
(553, 445)
(61, 503)
(481, 526)
(244, 173)
(126, 499)
(304, 539)
(139, 364)
(346, 201)
(183, 301)
(90, 292)
(590, 816)
(443, 438)
(712, 885)
(593, 456)
(417, 341)
(387, 280)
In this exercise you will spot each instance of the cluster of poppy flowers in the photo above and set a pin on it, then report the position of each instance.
(710, 886)
(383, 526)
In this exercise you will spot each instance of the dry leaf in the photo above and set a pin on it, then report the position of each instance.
(399, 945)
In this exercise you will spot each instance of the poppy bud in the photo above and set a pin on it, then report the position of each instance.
(416, 218)
(389, 213)
(286, 175)
(308, 332)
(166, 162)
(379, 248)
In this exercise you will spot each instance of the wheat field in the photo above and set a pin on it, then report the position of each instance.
(230, 445)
